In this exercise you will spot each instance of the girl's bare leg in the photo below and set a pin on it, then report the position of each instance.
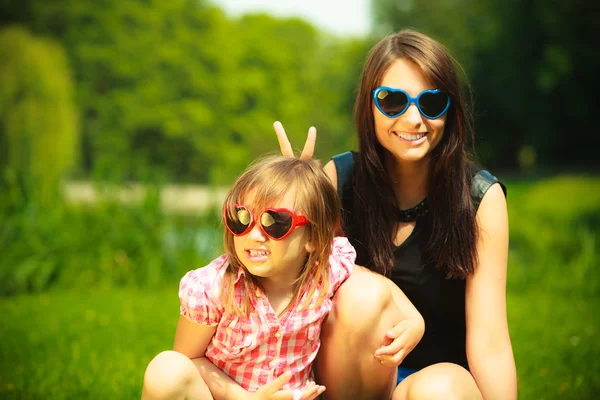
(363, 311)
(171, 375)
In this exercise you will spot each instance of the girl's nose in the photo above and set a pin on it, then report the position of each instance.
(256, 233)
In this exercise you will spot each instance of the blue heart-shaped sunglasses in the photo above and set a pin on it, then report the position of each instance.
(392, 102)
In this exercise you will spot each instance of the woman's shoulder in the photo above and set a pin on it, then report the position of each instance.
(481, 181)
(344, 167)
(344, 161)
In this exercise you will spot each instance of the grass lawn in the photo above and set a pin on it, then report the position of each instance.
(80, 345)
(75, 345)
(96, 344)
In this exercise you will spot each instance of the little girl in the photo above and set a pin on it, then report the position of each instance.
(250, 320)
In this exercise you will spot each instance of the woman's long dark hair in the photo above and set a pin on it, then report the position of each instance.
(452, 244)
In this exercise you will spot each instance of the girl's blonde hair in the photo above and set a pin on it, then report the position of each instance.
(268, 180)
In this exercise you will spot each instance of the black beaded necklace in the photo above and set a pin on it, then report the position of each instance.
(413, 213)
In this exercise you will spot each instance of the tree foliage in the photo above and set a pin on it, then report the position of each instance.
(38, 119)
(181, 91)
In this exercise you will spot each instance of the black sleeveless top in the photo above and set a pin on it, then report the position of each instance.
(440, 301)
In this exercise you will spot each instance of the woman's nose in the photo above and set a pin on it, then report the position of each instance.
(412, 115)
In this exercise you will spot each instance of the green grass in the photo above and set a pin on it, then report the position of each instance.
(78, 345)
(95, 344)
(70, 345)
(556, 342)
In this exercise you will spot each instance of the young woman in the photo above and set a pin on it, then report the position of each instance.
(419, 211)
(251, 319)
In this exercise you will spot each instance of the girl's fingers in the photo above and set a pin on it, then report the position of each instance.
(397, 330)
(398, 334)
(312, 392)
(393, 360)
(275, 385)
(391, 349)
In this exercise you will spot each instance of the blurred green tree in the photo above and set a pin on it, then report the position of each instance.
(145, 73)
(337, 69)
(180, 91)
(532, 67)
(38, 119)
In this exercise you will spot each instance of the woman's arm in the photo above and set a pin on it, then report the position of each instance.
(489, 350)
(331, 171)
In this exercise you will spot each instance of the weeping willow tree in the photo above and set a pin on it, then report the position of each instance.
(38, 119)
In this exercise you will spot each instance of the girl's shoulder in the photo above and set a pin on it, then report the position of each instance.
(199, 291)
(205, 281)
(341, 262)
(343, 253)
(212, 271)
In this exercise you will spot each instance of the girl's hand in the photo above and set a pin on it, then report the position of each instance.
(272, 390)
(312, 391)
(286, 147)
(404, 336)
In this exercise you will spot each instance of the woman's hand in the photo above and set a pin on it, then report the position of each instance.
(286, 147)
(404, 336)
(272, 390)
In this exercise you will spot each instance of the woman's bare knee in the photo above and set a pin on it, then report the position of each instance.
(168, 376)
(363, 311)
(439, 381)
(362, 300)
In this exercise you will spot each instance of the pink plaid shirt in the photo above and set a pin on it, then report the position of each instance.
(256, 349)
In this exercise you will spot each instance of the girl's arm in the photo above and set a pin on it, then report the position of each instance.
(406, 334)
(489, 350)
(401, 338)
(191, 340)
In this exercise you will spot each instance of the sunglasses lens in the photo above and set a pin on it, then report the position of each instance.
(392, 103)
(276, 224)
(238, 221)
(433, 104)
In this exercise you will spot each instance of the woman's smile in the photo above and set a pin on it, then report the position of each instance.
(413, 137)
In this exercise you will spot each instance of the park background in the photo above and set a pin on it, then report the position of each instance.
(122, 123)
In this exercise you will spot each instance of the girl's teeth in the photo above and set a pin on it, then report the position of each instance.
(257, 253)
(411, 137)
